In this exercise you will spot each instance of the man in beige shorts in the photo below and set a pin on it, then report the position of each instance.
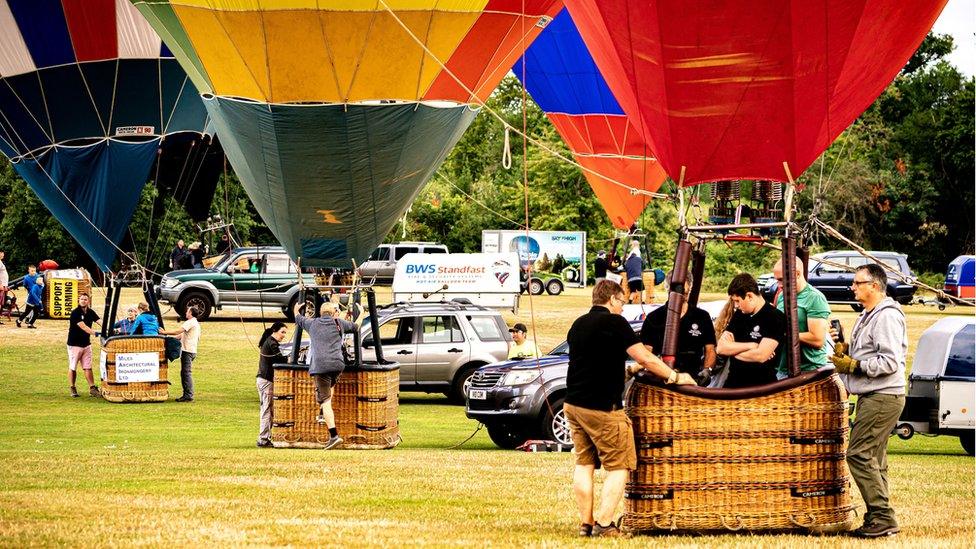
(599, 343)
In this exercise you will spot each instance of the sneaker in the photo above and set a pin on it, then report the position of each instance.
(74, 392)
(333, 442)
(184, 399)
(18, 324)
(585, 530)
(319, 419)
(93, 390)
(264, 444)
(611, 531)
(875, 530)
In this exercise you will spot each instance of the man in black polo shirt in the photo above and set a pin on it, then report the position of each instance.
(599, 343)
(696, 336)
(754, 336)
(79, 344)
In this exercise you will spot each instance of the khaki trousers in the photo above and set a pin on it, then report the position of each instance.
(867, 453)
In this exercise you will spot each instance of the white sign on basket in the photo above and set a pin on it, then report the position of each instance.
(136, 367)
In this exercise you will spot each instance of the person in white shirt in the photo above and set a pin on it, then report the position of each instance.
(189, 332)
(521, 346)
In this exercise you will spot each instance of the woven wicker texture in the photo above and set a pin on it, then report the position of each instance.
(365, 403)
(156, 391)
(769, 463)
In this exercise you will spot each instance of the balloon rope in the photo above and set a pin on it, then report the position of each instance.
(478, 202)
(505, 123)
(894, 272)
(507, 151)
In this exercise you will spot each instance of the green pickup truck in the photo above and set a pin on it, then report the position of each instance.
(253, 277)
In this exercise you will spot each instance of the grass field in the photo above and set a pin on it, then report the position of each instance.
(84, 472)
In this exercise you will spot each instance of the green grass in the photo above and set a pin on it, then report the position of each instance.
(85, 472)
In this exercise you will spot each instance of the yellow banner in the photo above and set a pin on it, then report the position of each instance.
(62, 297)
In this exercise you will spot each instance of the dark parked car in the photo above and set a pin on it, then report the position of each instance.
(835, 282)
(522, 399)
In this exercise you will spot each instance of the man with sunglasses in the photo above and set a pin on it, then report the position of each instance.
(874, 369)
(599, 343)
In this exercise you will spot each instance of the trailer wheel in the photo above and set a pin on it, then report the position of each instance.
(536, 287)
(554, 287)
(905, 431)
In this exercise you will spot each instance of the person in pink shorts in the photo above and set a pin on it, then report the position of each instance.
(79, 344)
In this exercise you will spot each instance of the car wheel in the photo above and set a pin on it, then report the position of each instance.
(195, 299)
(536, 287)
(460, 383)
(289, 311)
(506, 435)
(857, 307)
(555, 426)
(554, 287)
(968, 442)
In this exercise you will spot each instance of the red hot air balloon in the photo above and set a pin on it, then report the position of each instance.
(732, 90)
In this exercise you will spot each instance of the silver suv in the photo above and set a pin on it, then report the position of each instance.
(438, 345)
(381, 264)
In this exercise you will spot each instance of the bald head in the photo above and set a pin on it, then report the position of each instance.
(329, 309)
(800, 279)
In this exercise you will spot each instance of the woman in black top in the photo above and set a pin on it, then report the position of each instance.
(270, 354)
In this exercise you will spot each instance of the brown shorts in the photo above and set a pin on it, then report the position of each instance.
(323, 386)
(600, 437)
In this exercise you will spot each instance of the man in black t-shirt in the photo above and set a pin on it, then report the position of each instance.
(754, 336)
(696, 336)
(600, 266)
(599, 343)
(79, 344)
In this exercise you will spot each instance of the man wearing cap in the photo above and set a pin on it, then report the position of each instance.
(521, 347)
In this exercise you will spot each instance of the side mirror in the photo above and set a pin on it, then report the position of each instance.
(368, 343)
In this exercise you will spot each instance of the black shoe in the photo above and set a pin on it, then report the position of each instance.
(265, 444)
(18, 324)
(585, 530)
(876, 530)
(32, 327)
(74, 392)
(184, 399)
(93, 390)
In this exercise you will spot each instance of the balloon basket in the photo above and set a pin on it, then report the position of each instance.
(365, 402)
(769, 458)
(148, 349)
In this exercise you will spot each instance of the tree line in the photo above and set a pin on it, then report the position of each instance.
(901, 178)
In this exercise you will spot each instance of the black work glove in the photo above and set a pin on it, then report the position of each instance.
(704, 377)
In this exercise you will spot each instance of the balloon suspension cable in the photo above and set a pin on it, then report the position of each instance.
(788, 200)
(498, 214)
(896, 274)
(681, 200)
(478, 101)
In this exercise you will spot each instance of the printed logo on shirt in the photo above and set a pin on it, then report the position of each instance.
(694, 331)
(755, 332)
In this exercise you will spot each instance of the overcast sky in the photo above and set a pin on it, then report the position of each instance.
(959, 19)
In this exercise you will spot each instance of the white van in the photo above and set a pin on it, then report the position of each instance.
(381, 264)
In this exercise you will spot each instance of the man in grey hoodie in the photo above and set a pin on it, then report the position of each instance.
(874, 369)
(326, 360)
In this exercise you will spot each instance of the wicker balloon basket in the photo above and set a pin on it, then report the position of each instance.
(114, 389)
(760, 459)
(365, 402)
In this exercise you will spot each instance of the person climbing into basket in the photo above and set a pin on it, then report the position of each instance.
(873, 367)
(79, 344)
(753, 337)
(599, 343)
(326, 359)
(812, 314)
(696, 336)
(270, 350)
(146, 322)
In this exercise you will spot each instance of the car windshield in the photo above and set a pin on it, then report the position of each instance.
(561, 349)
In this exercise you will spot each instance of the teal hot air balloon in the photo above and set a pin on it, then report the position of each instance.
(331, 113)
